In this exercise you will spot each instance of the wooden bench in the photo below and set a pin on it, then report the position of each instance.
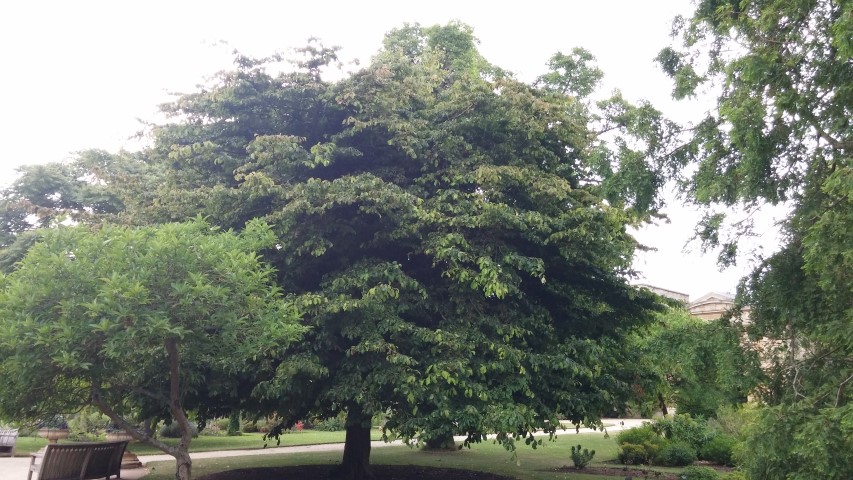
(78, 461)
(8, 438)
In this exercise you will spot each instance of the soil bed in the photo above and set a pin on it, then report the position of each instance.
(620, 473)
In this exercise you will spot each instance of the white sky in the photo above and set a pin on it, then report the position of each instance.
(78, 74)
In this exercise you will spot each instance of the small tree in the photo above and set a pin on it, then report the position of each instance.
(159, 321)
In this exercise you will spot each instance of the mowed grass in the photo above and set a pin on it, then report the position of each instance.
(526, 464)
(249, 441)
(204, 443)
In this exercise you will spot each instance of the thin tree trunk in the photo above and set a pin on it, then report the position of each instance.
(183, 470)
(662, 404)
(356, 462)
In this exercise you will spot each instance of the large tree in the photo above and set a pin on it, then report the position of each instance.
(456, 238)
(782, 132)
(158, 322)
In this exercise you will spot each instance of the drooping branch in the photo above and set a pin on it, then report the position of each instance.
(106, 409)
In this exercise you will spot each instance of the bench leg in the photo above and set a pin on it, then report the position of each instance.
(32, 462)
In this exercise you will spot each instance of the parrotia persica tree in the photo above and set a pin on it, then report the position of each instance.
(155, 322)
(455, 238)
(782, 132)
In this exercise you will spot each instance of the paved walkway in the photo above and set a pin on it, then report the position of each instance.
(17, 468)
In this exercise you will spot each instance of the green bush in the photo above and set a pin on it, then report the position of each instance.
(639, 445)
(582, 458)
(172, 431)
(735, 475)
(698, 473)
(684, 428)
(332, 424)
(632, 454)
(88, 422)
(638, 435)
(221, 424)
(719, 450)
(676, 454)
(233, 426)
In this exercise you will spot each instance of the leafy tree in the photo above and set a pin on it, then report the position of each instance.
(782, 133)
(140, 322)
(93, 188)
(456, 238)
(698, 365)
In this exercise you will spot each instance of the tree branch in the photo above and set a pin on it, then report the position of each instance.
(98, 401)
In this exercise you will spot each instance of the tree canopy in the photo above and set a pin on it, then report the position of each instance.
(156, 322)
(782, 132)
(455, 238)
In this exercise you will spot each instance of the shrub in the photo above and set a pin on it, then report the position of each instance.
(233, 426)
(719, 450)
(632, 454)
(642, 445)
(88, 422)
(676, 454)
(638, 435)
(172, 431)
(684, 428)
(221, 423)
(582, 458)
(698, 473)
(332, 424)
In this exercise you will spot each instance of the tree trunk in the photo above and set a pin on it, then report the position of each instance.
(356, 462)
(184, 468)
(662, 404)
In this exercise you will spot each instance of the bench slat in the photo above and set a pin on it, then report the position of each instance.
(79, 461)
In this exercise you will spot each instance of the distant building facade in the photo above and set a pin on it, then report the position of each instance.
(663, 292)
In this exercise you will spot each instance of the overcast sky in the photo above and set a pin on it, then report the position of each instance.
(79, 74)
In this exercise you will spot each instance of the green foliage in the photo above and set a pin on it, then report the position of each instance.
(88, 421)
(675, 453)
(331, 424)
(582, 458)
(173, 430)
(695, 364)
(639, 445)
(53, 421)
(457, 240)
(638, 435)
(683, 428)
(817, 441)
(233, 427)
(781, 133)
(719, 449)
(250, 427)
(144, 323)
(632, 454)
(698, 473)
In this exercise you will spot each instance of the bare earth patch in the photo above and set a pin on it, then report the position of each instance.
(380, 472)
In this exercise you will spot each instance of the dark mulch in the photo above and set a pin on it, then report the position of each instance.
(380, 472)
(620, 472)
(637, 472)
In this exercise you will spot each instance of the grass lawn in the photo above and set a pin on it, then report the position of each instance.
(248, 441)
(529, 464)
(204, 443)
